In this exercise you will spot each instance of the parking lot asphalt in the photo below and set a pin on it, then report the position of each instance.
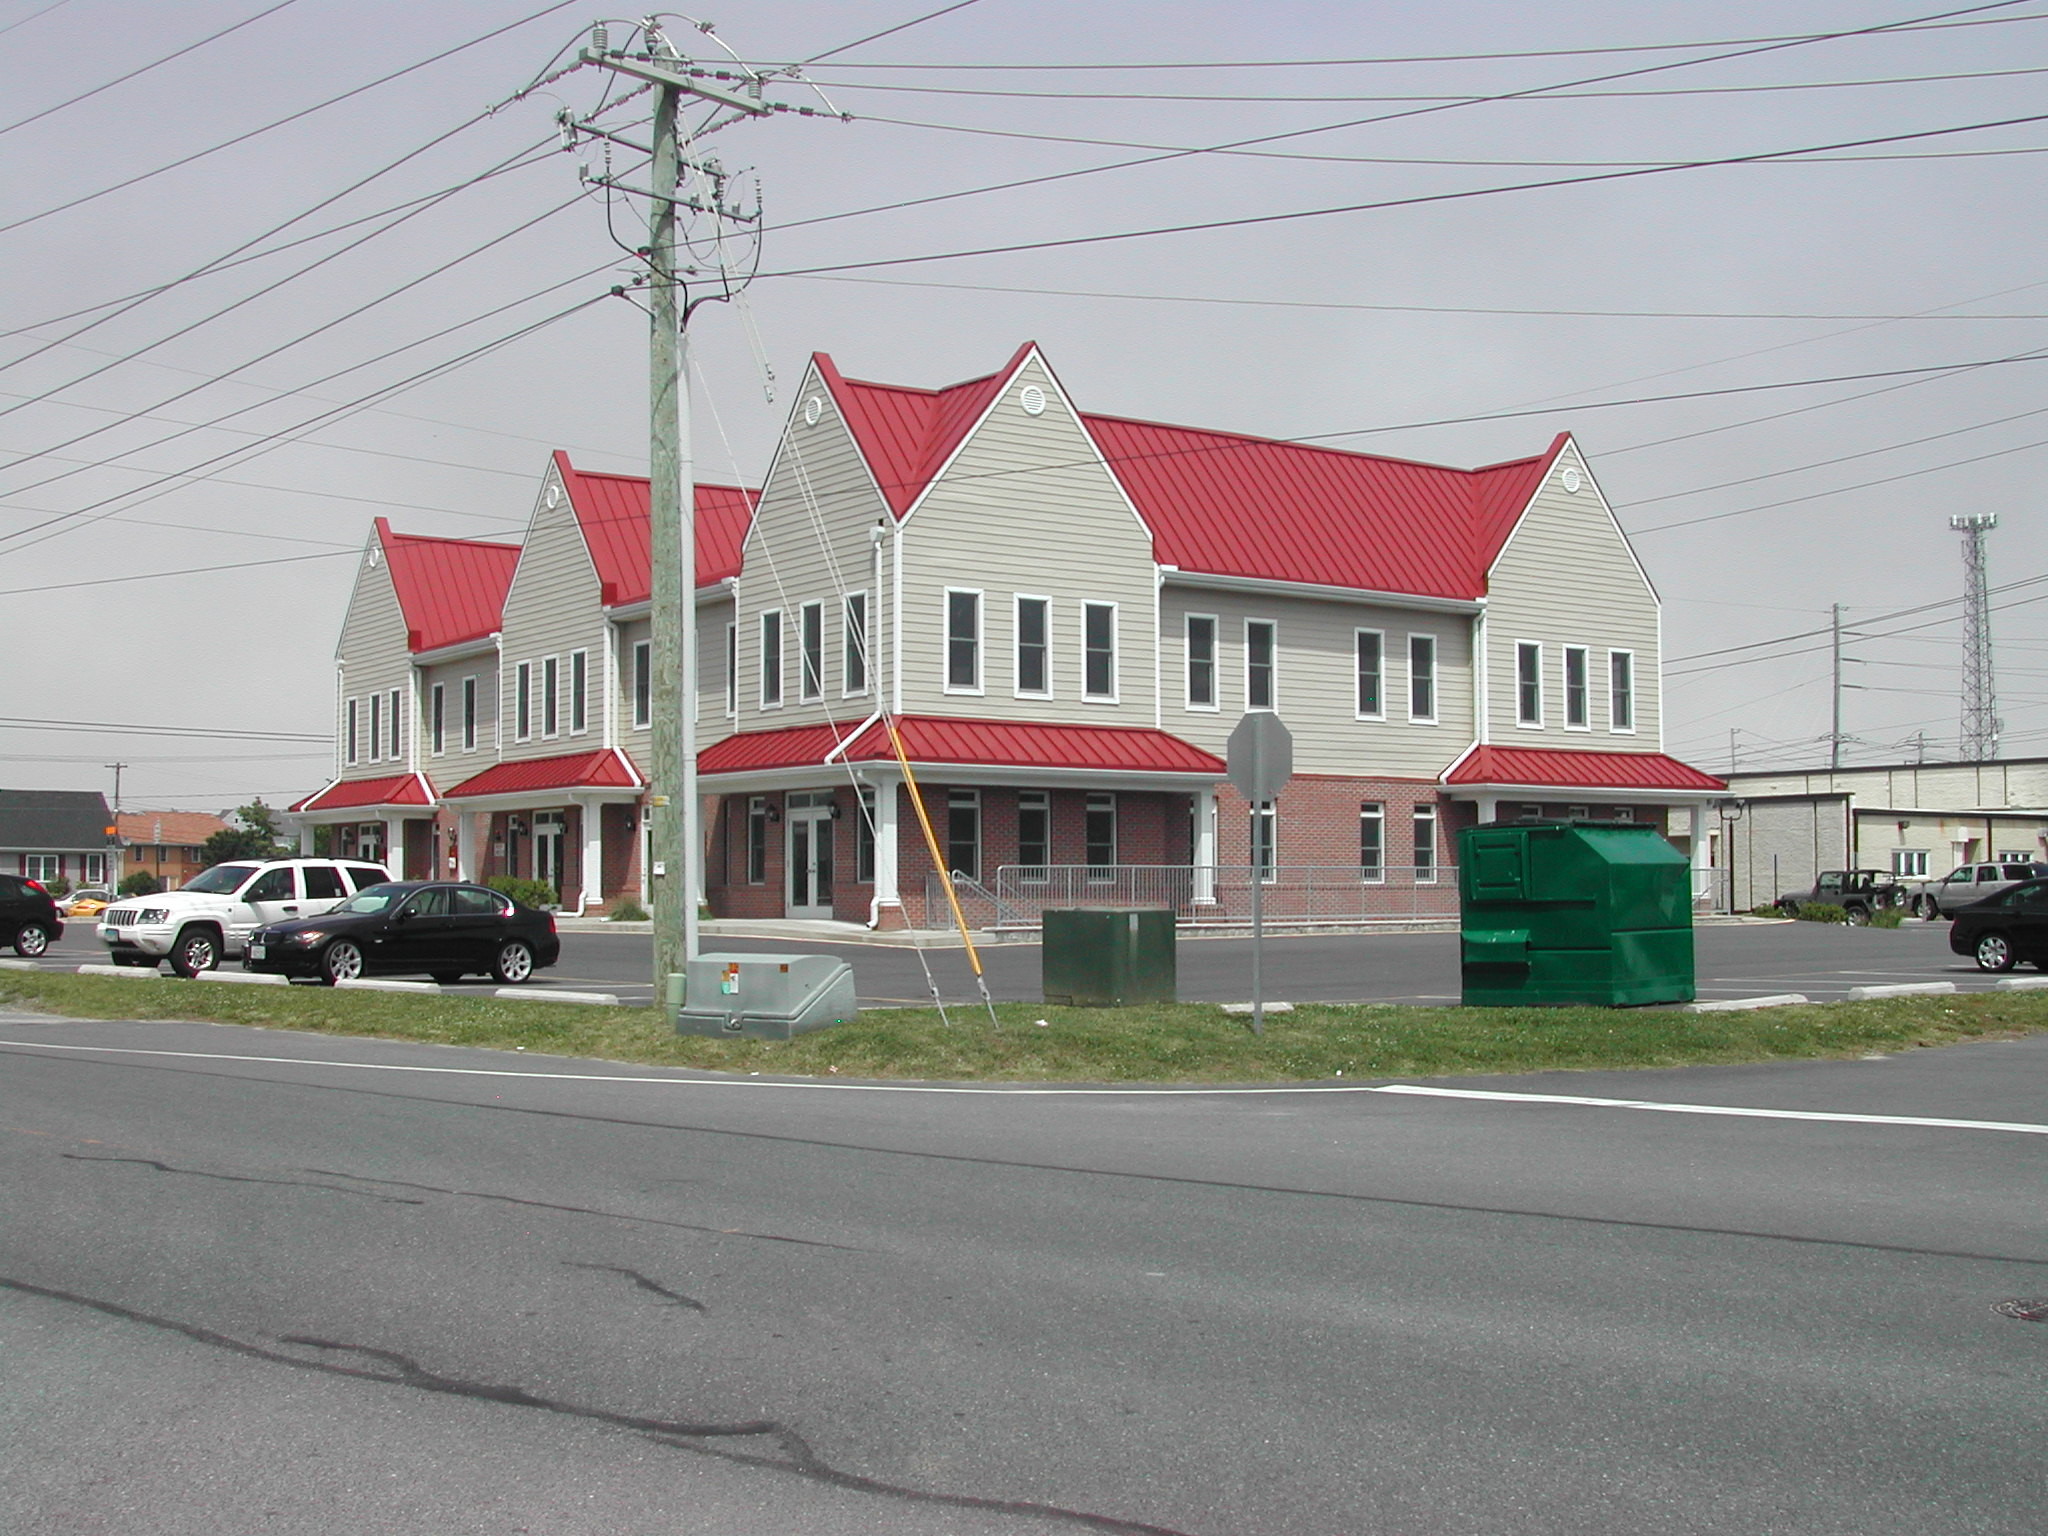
(1747, 960)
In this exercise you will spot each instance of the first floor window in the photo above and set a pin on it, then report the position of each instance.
(1259, 645)
(963, 832)
(95, 869)
(1100, 829)
(811, 672)
(1422, 677)
(579, 682)
(43, 867)
(1034, 665)
(550, 696)
(864, 839)
(522, 705)
(643, 684)
(437, 724)
(1098, 643)
(1034, 834)
(1265, 832)
(1425, 845)
(376, 727)
(963, 641)
(469, 714)
(1621, 691)
(1372, 842)
(1528, 683)
(757, 840)
(1201, 661)
(854, 637)
(349, 731)
(771, 659)
(1372, 703)
(1575, 717)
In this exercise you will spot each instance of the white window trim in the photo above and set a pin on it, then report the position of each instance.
(437, 719)
(979, 686)
(1115, 655)
(1416, 817)
(1035, 800)
(806, 692)
(1378, 813)
(472, 691)
(961, 793)
(1635, 694)
(761, 660)
(522, 704)
(1265, 813)
(1356, 712)
(1521, 723)
(1017, 688)
(550, 719)
(376, 743)
(1273, 706)
(391, 708)
(1187, 660)
(1565, 685)
(1089, 807)
(351, 731)
(579, 691)
(848, 651)
(1436, 680)
(642, 666)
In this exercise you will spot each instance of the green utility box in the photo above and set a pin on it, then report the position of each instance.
(1106, 957)
(1563, 912)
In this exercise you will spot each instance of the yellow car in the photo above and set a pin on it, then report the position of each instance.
(86, 903)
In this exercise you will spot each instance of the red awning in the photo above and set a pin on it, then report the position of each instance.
(350, 794)
(1550, 768)
(606, 768)
(970, 743)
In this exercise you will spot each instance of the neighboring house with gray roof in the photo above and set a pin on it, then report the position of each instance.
(57, 834)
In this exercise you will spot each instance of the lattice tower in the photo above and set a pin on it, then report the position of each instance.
(1981, 724)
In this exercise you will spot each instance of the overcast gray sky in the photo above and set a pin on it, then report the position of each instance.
(202, 439)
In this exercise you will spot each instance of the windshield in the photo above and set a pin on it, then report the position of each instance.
(221, 879)
(373, 898)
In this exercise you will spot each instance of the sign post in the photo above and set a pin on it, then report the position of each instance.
(1261, 761)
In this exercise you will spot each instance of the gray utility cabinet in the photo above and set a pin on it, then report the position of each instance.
(765, 997)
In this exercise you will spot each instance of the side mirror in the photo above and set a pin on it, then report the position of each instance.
(402, 915)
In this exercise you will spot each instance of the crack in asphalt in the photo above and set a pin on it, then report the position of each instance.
(243, 1178)
(642, 1282)
(400, 1370)
(584, 1210)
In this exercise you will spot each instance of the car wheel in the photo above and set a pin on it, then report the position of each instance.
(446, 978)
(1858, 917)
(31, 941)
(341, 961)
(197, 949)
(1925, 909)
(1994, 953)
(515, 961)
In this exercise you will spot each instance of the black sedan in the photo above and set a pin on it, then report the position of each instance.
(445, 929)
(2004, 929)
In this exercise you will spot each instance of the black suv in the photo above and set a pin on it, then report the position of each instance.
(28, 916)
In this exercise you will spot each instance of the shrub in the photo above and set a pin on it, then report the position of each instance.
(58, 887)
(528, 893)
(1821, 912)
(141, 883)
(1890, 917)
(629, 911)
(1765, 909)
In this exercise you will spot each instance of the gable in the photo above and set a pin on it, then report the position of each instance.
(1566, 519)
(373, 627)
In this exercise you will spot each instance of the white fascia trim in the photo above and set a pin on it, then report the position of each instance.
(719, 591)
(1459, 761)
(462, 650)
(1319, 591)
(1582, 792)
(808, 775)
(484, 805)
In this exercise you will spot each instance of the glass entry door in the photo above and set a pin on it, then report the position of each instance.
(807, 820)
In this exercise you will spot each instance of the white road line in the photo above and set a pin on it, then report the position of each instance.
(992, 1091)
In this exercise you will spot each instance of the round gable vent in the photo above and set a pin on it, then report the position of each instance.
(1570, 481)
(1032, 398)
(554, 494)
(813, 409)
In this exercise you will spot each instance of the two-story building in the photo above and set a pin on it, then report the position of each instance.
(1050, 621)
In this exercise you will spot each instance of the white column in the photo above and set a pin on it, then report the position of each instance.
(886, 832)
(305, 840)
(1488, 808)
(1702, 861)
(1205, 846)
(593, 852)
(468, 845)
(394, 847)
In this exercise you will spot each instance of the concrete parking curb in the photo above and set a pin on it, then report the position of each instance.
(528, 995)
(1902, 989)
(130, 972)
(19, 965)
(244, 978)
(1737, 1004)
(369, 984)
(2024, 983)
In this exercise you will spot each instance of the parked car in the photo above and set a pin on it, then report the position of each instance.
(89, 901)
(214, 913)
(1859, 892)
(445, 929)
(1972, 883)
(28, 916)
(2004, 929)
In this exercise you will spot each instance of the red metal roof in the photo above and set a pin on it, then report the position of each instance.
(973, 743)
(605, 768)
(1551, 768)
(612, 512)
(907, 434)
(393, 789)
(450, 590)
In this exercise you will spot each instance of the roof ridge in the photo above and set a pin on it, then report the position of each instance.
(1290, 442)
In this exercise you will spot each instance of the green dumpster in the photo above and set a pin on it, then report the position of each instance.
(1104, 957)
(1573, 912)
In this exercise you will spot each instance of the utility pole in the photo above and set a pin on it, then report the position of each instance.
(117, 767)
(1981, 724)
(1835, 734)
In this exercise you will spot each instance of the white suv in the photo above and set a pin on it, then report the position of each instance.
(212, 916)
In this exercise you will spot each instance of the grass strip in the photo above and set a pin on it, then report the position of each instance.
(1168, 1043)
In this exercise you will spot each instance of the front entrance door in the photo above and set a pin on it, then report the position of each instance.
(808, 819)
(547, 850)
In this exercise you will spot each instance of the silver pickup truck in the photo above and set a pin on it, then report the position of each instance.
(1932, 899)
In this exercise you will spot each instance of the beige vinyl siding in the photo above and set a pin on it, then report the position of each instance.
(712, 723)
(810, 543)
(1567, 578)
(551, 610)
(374, 661)
(454, 765)
(1027, 507)
(1315, 680)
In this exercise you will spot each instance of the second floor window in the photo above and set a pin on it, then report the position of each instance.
(437, 721)
(522, 704)
(551, 696)
(1621, 691)
(643, 684)
(963, 641)
(1098, 644)
(1422, 678)
(1201, 661)
(1034, 661)
(1528, 683)
(396, 749)
(376, 727)
(811, 677)
(771, 659)
(469, 714)
(349, 731)
(1575, 687)
(1259, 645)
(854, 634)
(732, 669)
(579, 683)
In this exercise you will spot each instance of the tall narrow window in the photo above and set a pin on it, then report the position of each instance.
(550, 696)
(1099, 828)
(522, 703)
(1259, 647)
(643, 684)
(1265, 835)
(771, 659)
(437, 721)
(1621, 690)
(810, 678)
(579, 686)
(864, 838)
(1034, 834)
(963, 832)
(1098, 643)
(1422, 678)
(1425, 845)
(854, 633)
(757, 840)
(1372, 842)
(1528, 683)
(732, 669)
(396, 749)
(376, 727)
(1034, 657)
(469, 714)
(349, 731)
(1575, 717)
(1201, 661)
(1371, 700)
(963, 641)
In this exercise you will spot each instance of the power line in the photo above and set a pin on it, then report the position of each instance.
(232, 734)
(902, 26)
